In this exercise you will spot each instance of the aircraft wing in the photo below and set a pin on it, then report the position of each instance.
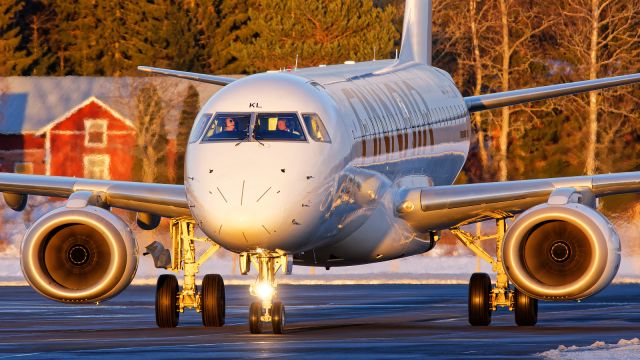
(443, 207)
(158, 199)
(515, 97)
(209, 79)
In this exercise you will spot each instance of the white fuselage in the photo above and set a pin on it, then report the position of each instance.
(329, 204)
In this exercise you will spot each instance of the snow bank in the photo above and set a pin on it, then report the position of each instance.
(623, 350)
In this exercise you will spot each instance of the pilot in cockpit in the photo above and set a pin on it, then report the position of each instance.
(282, 125)
(230, 124)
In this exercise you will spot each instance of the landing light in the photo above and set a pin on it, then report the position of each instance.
(264, 291)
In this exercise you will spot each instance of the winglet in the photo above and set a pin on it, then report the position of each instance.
(416, 33)
(209, 79)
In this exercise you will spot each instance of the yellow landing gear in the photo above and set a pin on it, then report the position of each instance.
(265, 309)
(170, 302)
(483, 298)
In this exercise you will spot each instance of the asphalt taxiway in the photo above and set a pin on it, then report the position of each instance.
(323, 322)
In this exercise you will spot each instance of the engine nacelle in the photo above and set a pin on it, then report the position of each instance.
(561, 252)
(79, 255)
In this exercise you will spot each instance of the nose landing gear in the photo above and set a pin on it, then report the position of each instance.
(265, 288)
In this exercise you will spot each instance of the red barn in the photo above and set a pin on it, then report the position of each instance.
(80, 126)
(91, 141)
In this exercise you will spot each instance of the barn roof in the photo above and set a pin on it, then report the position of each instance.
(31, 104)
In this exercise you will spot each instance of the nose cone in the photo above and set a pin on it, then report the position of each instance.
(267, 194)
(254, 195)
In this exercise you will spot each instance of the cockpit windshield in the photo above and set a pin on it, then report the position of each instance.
(227, 126)
(278, 126)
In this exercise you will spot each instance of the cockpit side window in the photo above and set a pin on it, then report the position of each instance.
(316, 128)
(198, 128)
(278, 126)
(228, 126)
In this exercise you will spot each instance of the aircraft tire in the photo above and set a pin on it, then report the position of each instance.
(255, 313)
(213, 300)
(525, 309)
(278, 317)
(167, 314)
(480, 300)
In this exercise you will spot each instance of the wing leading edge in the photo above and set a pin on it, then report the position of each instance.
(209, 79)
(443, 207)
(516, 97)
(158, 199)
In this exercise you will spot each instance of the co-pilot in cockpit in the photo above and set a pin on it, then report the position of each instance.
(280, 126)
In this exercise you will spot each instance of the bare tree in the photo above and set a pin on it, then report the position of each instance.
(518, 25)
(459, 48)
(495, 50)
(151, 141)
(601, 38)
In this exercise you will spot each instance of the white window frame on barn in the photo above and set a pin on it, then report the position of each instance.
(23, 167)
(95, 126)
(97, 167)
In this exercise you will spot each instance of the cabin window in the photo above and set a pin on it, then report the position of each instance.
(316, 128)
(97, 167)
(95, 133)
(198, 128)
(278, 126)
(228, 126)
(23, 168)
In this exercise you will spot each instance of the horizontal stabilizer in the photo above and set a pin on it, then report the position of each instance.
(508, 98)
(209, 79)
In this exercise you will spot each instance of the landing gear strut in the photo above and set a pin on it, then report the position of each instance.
(170, 302)
(265, 288)
(483, 299)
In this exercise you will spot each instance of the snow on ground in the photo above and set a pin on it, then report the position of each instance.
(623, 350)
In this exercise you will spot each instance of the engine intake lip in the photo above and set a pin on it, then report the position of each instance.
(530, 264)
(112, 237)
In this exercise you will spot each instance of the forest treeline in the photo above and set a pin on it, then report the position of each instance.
(487, 46)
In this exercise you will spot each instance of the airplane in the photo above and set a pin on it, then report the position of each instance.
(330, 166)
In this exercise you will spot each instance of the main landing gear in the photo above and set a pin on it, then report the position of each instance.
(485, 299)
(265, 309)
(170, 301)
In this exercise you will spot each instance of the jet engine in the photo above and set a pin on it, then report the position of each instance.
(80, 255)
(561, 252)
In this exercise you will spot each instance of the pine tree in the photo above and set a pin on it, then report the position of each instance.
(221, 24)
(316, 32)
(115, 31)
(43, 58)
(74, 36)
(190, 106)
(14, 59)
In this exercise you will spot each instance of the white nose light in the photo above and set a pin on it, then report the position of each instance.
(264, 291)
